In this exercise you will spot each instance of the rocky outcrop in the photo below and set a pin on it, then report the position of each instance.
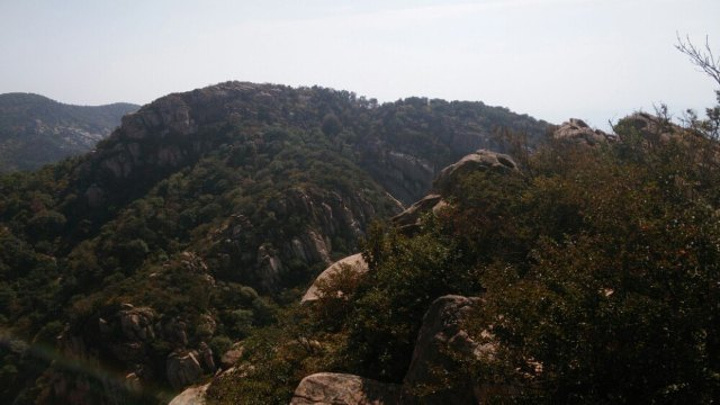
(136, 323)
(355, 264)
(443, 343)
(191, 396)
(578, 132)
(343, 389)
(183, 369)
(409, 220)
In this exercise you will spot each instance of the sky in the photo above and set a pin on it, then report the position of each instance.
(598, 60)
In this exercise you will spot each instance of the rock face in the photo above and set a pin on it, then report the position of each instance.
(354, 263)
(577, 131)
(343, 389)
(442, 334)
(137, 323)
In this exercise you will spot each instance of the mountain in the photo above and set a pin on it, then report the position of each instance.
(270, 244)
(198, 221)
(35, 130)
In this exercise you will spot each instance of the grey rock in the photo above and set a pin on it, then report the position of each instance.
(343, 389)
(137, 323)
(182, 368)
(205, 355)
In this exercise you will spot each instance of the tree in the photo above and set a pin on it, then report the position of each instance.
(705, 60)
(702, 58)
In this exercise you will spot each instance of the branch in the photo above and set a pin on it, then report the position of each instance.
(702, 58)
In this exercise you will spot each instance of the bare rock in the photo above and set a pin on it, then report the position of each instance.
(478, 161)
(354, 263)
(310, 248)
(577, 131)
(409, 220)
(269, 266)
(191, 396)
(343, 389)
(183, 369)
(137, 323)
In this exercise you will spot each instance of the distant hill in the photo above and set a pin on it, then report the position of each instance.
(35, 130)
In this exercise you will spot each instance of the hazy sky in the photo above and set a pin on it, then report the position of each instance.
(552, 59)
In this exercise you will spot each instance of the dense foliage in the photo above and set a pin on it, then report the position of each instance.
(597, 268)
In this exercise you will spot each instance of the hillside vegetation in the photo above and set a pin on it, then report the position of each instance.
(594, 272)
(128, 272)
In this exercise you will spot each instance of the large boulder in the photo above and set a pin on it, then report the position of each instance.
(410, 220)
(355, 263)
(442, 340)
(480, 160)
(343, 389)
(183, 369)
